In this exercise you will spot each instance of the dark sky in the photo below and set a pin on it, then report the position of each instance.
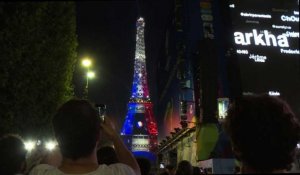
(106, 33)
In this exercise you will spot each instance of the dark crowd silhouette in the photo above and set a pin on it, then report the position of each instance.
(263, 130)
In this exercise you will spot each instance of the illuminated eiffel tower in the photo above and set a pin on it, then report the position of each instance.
(140, 130)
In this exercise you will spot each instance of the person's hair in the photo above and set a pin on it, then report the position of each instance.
(107, 155)
(184, 168)
(12, 154)
(170, 167)
(144, 164)
(76, 127)
(264, 132)
(196, 170)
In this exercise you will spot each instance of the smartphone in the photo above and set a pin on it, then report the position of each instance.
(101, 111)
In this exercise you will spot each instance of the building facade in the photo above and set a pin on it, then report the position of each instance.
(209, 61)
(194, 84)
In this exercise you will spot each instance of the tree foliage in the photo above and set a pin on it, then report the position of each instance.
(37, 58)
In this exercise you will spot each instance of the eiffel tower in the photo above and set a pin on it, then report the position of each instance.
(140, 129)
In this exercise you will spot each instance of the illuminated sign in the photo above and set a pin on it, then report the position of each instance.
(231, 5)
(140, 143)
(289, 51)
(289, 18)
(274, 93)
(265, 38)
(140, 108)
(258, 58)
(253, 15)
(263, 27)
(281, 27)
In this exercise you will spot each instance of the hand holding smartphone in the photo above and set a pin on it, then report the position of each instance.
(101, 111)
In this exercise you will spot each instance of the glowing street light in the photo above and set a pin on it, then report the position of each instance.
(90, 75)
(86, 62)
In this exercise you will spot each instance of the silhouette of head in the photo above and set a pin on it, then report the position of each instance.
(76, 127)
(264, 132)
(184, 168)
(12, 155)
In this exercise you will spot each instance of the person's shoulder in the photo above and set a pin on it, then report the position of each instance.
(116, 169)
(44, 169)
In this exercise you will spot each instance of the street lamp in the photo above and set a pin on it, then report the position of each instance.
(86, 62)
(89, 75)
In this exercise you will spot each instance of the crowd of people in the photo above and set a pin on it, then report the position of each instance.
(264, 133)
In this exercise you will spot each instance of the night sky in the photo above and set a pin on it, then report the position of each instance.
(106, 33)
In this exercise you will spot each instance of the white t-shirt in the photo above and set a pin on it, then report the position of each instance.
(113, 169)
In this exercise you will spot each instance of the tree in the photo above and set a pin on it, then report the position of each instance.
(37, 58)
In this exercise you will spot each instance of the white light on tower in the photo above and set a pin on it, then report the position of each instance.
(140, 124)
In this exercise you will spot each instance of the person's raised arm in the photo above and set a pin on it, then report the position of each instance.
(124, 155)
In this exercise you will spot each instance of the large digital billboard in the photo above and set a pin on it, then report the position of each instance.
(266, 39)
